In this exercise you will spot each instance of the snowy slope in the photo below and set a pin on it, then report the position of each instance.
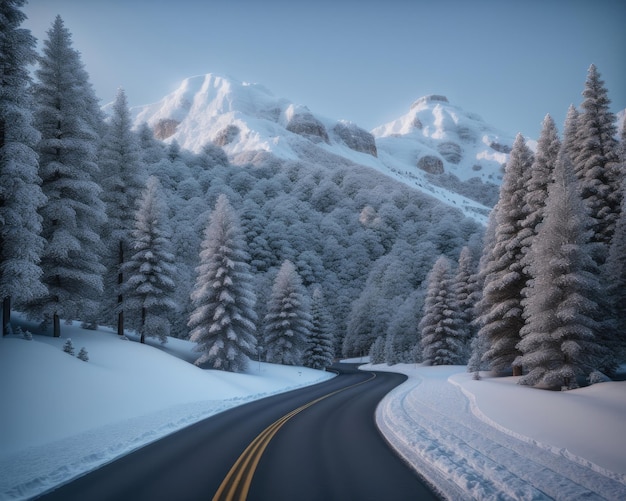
(434, 139)
(446, 138)
(494, 439)
(69, 416)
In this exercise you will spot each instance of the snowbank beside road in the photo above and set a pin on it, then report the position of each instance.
(506, 441)
(63, 417)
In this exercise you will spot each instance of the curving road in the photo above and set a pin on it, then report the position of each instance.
(316, 443)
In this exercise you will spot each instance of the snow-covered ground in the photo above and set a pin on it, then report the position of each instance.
(488, 439)
(62, 417)
(494, 439)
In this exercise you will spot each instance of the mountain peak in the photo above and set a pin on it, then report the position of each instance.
(429, 99)
(243, 118)
(435, 138)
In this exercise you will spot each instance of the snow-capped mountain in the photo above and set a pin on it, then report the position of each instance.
(441, 137)
(436, 147)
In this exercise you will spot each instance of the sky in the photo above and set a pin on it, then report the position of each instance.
(366, 61)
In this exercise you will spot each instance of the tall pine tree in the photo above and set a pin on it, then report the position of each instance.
(570, 132)
(223, 320)
(288, 321)
(150, 268)
(614, 274)
(504, 277)
(20, 186)
(478, 344)
(443, 333)
(597, 160)
(465, 285)
(319, 352)
(541, 176)
(122, 179)
(560, 340)
(67, 118)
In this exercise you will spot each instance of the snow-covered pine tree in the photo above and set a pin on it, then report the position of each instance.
(479, 342)
(597, 160)
(614, 274)
(68, 347)
(504, 278)
(83, 355)
(443, 335)
(465, 286)
(152, 150)
(377, 351)
(288, 321)
(20, 186)
(615, 268)
(253, 222)
(150, 268)
(122, 179)
(223, 321)
(319, 351)
(67, 116)
(570, 132)
(541, 175)
(563, 317)
(402, 343)
(622, 145)
(364, 326)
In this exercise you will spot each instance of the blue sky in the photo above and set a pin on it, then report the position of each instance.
(510, 61)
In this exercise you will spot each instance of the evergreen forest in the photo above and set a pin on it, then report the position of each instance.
(297, 263)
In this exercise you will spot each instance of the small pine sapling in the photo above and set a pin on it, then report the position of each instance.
(68, 347)
(82, 355)
(27, 335)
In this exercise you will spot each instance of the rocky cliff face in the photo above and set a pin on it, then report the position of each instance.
(306, 125)
(355, 138)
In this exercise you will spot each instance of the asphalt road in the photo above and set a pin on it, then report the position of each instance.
(317, 443)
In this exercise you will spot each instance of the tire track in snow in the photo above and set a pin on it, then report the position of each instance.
(432, 427)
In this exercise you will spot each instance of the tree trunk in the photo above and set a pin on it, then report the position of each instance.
(517, 370)
(56, 326)
(6, 315)
(120, 297)
(6, 302)
(120, 323)
(143, 324)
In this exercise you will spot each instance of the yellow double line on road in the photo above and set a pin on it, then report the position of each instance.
(237, 482)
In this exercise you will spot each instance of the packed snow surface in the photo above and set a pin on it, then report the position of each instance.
(488, 439)
(494, 439)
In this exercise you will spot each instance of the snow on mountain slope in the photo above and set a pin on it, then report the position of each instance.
(235, 115)
(441, 137)
(433, 148)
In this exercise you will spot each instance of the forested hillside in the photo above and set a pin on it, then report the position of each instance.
(103, 224)
(365, 240)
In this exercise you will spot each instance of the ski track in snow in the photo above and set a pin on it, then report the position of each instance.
(437, 430)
